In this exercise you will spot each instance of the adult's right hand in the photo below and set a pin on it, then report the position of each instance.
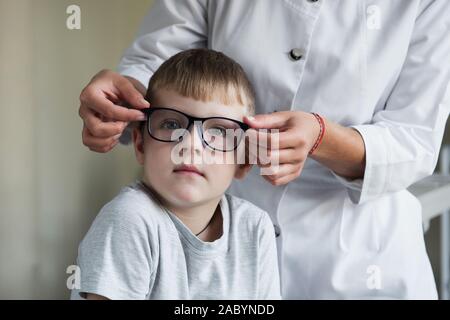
(103, 109)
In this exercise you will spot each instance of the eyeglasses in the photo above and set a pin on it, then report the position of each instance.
(218, 133)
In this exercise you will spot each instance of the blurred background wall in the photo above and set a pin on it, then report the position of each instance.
(51, 186)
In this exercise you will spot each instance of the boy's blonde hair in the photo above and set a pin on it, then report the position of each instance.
(204, 75)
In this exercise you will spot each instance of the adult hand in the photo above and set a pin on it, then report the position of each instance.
(297, 133)
(102, 109)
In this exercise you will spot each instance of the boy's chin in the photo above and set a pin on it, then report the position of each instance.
(188, 197)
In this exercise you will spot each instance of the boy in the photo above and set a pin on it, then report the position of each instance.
(176, 234)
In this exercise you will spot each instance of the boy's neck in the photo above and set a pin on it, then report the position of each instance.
(196, 218)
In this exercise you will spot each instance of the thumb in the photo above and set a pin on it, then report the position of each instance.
(274, 120)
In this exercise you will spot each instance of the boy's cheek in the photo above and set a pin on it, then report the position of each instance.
(157, 158)
(223, 174)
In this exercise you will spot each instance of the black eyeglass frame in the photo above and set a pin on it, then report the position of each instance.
(191, 120)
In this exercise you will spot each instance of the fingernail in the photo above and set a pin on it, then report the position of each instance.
(142, 117)
(251, 118)
(145, 102)
(117, 136)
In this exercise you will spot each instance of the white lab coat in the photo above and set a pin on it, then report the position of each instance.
(380, 66)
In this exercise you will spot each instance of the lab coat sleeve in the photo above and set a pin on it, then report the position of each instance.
(170, 26)
(403, 140)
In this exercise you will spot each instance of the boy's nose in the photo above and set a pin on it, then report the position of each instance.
(192, 141)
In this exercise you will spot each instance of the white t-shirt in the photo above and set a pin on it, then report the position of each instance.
(135, 249)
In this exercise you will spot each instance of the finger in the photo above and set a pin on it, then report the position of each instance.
(283, 171)
(273, 140)
(277, 171)
(283, 180)
(97, 144)
(289, 155)
(268, 121)
(99, 102)
(99, 128)
(130, 94)
(113, 144)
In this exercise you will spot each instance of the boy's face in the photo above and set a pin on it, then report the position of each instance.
(188, 173)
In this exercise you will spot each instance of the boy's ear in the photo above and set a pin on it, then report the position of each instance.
(138, 142)
(242, 170)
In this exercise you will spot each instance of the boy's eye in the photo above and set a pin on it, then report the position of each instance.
(170, 124)
(217, 131)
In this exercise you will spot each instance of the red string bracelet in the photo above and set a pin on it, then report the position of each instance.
(321, 133)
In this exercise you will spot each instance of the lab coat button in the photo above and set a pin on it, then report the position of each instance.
(277, 230)
(296, 54)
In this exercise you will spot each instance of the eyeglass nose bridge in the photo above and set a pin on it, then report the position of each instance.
(199, 126)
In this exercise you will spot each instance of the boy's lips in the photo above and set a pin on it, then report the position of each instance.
(188, 169)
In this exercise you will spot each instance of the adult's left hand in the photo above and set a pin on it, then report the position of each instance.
(297, 134)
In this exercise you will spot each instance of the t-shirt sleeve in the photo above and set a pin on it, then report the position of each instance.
(115, 256)
(269, 278)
